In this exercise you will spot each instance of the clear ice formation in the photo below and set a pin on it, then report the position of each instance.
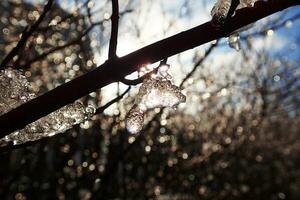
(234, 41)
(15, 90)
(155, 92)
(219, 15)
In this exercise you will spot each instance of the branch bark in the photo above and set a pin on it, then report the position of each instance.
(114, 70)
(114, 30)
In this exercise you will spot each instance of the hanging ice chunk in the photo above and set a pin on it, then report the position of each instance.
(15, 91)
(234, 41)
(155, 92)
(135, 120)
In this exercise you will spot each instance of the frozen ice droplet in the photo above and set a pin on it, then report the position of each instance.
(163, 71)
(134, 120)
(234, 41)
(90, 110)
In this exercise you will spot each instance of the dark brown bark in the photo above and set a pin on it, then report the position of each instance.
(114, 30)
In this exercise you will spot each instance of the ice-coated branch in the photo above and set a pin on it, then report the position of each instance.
(114, 70)
(15, 90)
(9, 146)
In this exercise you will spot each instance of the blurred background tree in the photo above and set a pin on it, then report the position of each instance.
(236, 137)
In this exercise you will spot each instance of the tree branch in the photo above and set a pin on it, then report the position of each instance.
(233, 6)
(114, 70)
(114, 30)
(118, 98)
(197, 64)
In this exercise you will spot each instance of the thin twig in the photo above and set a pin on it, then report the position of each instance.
(114, 30)
(147, 75)
(234, 4)
(198, 63)
(118, 98)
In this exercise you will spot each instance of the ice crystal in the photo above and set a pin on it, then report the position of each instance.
(15, 91)
(155, 92)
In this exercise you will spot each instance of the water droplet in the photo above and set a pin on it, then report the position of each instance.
(234, 41)
(276, 78)
(288, 24)
(90, 109)
(270, 32)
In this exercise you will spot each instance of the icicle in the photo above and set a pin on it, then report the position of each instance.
(155, 92)
(234, 41)
(15, 91)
